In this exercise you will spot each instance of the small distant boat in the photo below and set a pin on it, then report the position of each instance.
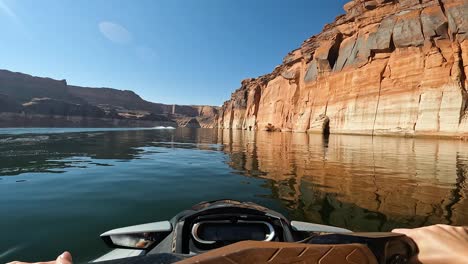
(228, 231)
(163, 127)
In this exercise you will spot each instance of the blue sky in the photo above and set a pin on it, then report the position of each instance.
(168, 51)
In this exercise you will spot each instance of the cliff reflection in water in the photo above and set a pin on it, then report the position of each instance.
(358, 182)
(362, 183)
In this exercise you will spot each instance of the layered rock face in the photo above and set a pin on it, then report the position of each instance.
(385, 67)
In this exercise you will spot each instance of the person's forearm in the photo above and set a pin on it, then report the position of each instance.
(64, 258)
(439, 244)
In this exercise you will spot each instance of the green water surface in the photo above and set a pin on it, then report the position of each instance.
(61, 188)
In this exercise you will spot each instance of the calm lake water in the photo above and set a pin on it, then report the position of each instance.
(60, 189)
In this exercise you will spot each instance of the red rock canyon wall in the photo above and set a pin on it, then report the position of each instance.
(385, 67)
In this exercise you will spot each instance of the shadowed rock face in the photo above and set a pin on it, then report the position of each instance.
(132, 101)
(9, 105)
(23, 88)
(56, 107)
(385, 67)
(42, 101)
(108, 96)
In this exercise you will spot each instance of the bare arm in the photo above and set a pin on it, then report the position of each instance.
(65, 258)
(439, 244)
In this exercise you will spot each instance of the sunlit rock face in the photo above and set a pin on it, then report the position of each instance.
(385, 67)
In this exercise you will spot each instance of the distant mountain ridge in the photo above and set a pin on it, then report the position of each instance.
(26, 96)
(23, 87)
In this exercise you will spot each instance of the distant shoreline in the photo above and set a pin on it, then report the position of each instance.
(17, 120)
(18, 131)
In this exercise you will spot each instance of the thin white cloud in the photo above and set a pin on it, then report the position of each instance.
(115, 32)
(6, 9)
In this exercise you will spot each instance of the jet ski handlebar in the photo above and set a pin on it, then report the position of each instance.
(356, 248)
(208, 232)
(387, 249)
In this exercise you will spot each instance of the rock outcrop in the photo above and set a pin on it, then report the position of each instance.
(113, 98)
(47, 106)
(23, 87)
(189, 122)
(385, 67)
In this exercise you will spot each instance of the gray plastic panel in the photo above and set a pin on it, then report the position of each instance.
(309, 227)
(164, 226)
(119, 254)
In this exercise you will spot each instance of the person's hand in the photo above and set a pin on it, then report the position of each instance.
(439, 244)
(65, 258)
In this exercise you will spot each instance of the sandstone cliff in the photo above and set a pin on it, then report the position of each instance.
(385, 67)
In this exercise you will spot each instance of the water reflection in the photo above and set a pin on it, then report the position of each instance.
(50, 153)
(102, 181)
(362, 183)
